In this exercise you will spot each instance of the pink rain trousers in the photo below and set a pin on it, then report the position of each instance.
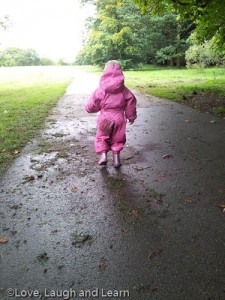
(116, 104)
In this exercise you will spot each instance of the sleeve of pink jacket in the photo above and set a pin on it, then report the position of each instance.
(93, 104)
(130, 110)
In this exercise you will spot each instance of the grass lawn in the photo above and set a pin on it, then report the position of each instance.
(174, 84)
(203, 89)
(26, 96)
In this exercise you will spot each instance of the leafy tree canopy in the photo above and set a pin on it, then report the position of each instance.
(121, 32)
(4, 22)
(204, 55)
(19, 57)
(208, 16)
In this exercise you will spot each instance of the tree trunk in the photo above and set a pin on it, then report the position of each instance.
(178, 51)
(178, 61)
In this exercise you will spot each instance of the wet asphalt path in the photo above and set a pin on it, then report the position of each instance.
(151, 230)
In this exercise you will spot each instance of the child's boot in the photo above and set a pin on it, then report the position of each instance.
(103, 159)
(116, 160)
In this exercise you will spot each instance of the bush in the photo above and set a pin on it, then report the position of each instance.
(127, 64)
(204, 55)
(166, 54)
(19, 57)
(46, 61)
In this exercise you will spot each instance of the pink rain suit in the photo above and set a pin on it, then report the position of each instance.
(116, 104)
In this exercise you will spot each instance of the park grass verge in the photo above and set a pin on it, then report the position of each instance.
(27, 94)
(202, 89)
(174, 83)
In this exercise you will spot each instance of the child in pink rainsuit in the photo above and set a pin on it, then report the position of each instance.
(116, 104)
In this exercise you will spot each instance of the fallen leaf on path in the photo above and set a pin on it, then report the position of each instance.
(16, 151)
(221, 205)
(167, 156)
(15, 206)
(129, 157)
(102, 265)
(81, 239)
(189, 200)
(159, 201)
(155, 253)
(212, 121)
(154, 290)
(187, 121)
(3, 240)
(222, 191)
(28, 178)
(162, 177)
(138, 168)
(43, 257)
(135, 212)
(74, 189)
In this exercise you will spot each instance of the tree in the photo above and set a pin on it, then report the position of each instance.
(4, 22)
(204, 55)
(167, 35)
(61, 62)
(19, 57)
(207, 15)
(44, 61)
(113, 34)
(166, 55)
(121, 32)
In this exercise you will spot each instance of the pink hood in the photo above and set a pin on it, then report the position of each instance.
(112, 80)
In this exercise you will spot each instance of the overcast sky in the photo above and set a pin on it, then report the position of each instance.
(52, 27)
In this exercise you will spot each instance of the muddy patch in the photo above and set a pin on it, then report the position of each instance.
(206, 102)
(70, 156)
(131, 203)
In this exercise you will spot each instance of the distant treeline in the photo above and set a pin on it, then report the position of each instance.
(11, 57)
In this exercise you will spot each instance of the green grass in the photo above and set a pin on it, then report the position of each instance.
(171, 83)
(26, 96)
(220, 110)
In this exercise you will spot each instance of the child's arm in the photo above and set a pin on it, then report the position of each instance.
(130, 110)
(93, 104)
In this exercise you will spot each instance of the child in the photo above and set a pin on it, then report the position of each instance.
(116, 104)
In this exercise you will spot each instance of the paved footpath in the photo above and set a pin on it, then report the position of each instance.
(151, 230)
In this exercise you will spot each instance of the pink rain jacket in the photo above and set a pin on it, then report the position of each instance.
(116, 104)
